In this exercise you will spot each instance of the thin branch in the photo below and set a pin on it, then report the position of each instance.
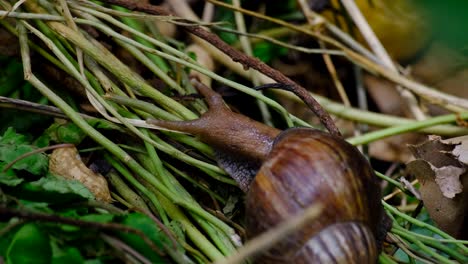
(120, 245)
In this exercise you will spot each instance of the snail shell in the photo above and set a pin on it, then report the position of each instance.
(307, 166)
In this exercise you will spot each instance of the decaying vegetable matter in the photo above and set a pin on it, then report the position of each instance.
(66, 162)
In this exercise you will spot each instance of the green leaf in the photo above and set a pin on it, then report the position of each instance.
(29, 245)
(68, 256)
(11, 137)
(13, 145)
(65, 255)
(149, 228)
(57, 184)
(65, 133)
(9, 177)
(266, 51)
(53, 189)
(9, 230)
(11, 76)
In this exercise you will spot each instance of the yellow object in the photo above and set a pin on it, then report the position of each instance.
(402, 26)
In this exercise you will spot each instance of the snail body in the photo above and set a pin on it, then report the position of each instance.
(285, 172)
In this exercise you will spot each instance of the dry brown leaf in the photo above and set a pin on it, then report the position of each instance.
(66, 162)
(444, 181)
(461, 149)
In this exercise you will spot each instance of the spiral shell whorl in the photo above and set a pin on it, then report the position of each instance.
(307, 166)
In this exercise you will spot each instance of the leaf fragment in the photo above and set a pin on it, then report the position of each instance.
(29, 245)
(442, 171)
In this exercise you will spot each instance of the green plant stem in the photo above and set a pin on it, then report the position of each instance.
(23, 15)
(423, 247)
(195, 183)
(158, 143)
(419, 223)
(219, 238)
(128, 194)
(198, 238)
(372, 118)
(217, 173)
(391, 131)
(151, 61)
(111, 147)
(139, 26)
(390, 180)
(136, 53)
(142, 105)
(128, 176)
(385, 259)
(247, 48)
(382, 120)
(396, 229)
(115, 66)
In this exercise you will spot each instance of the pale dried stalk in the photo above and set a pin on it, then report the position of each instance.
(382, 54)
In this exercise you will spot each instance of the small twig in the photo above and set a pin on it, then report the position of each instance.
(41, 217)
(275, 41)
(69, 21)
(39, 150)
(410, 186)
(120, 245)
(6, 102)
